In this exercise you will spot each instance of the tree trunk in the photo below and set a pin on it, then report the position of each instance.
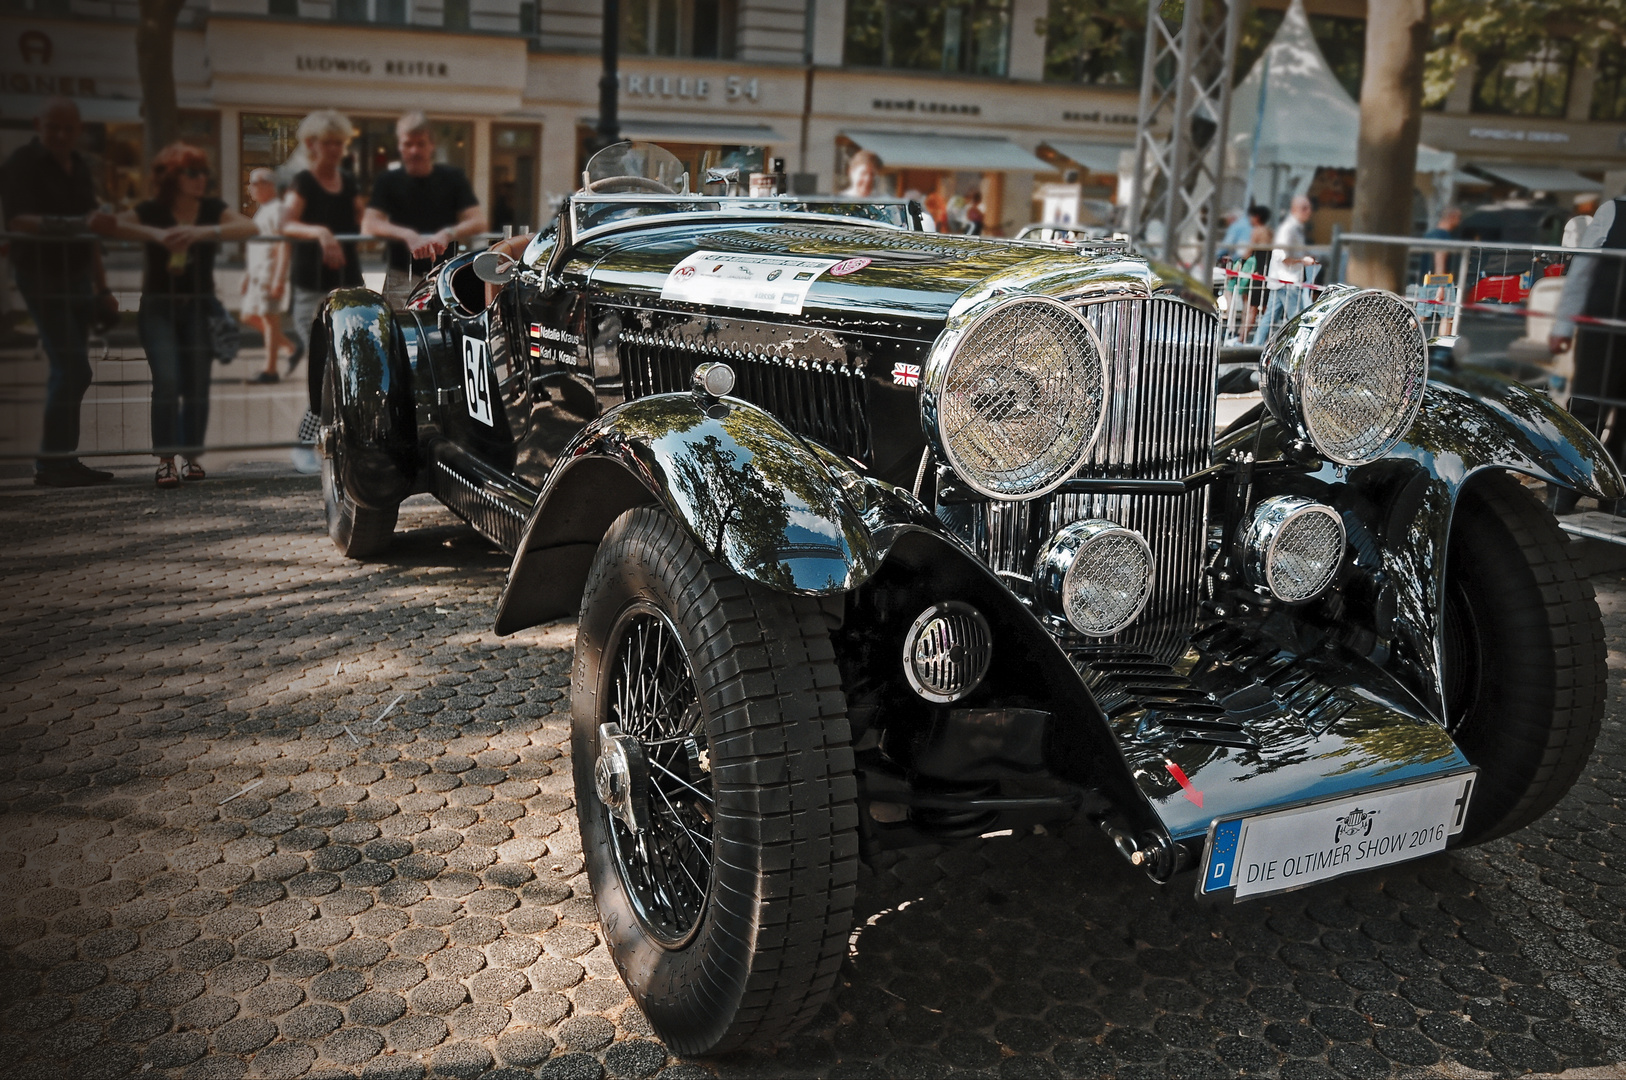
(155, 60)
(1386, 153)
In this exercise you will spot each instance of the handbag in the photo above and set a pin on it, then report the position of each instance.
(225, 335)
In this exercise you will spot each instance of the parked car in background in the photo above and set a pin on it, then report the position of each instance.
(879, 537)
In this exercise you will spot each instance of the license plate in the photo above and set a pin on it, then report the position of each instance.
(1302, 845)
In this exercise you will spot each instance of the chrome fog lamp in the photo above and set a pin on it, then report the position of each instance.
(1095, 574)
(1292, 547)
(1013, 400)
(947, 651)
(1348, 373)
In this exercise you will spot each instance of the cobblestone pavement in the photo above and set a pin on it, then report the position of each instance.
(267, 812)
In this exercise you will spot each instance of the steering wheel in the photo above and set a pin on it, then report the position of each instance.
(637, 183)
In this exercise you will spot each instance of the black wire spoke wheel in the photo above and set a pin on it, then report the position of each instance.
(359, 532)
(667, 866)
(714, 786)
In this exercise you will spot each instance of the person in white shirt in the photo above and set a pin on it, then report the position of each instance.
(1594, 287)
(1288, 261)
(1585, 206)
(265, 276)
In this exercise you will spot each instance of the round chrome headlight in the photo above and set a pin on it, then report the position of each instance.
(1293, 547)
(1095, 574)
(1348, 373)
(1015, 398)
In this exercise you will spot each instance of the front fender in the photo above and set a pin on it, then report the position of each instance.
(1469, 423)
(1476, 420)
(356, 335)
(776, 510)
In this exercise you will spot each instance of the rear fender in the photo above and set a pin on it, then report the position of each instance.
(755, 496)
(356, 334)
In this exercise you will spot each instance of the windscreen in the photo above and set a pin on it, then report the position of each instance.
(635, 167)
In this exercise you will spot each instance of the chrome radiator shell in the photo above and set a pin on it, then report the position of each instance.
(1162, 358)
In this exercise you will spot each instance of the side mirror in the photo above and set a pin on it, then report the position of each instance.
(494, 268)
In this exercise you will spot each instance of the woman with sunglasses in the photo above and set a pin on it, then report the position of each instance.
(183, 227)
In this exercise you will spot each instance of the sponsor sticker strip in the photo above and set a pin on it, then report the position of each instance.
(776, 283)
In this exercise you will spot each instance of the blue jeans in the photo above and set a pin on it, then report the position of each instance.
(175, 334)
(63, 318)
(1284, 303)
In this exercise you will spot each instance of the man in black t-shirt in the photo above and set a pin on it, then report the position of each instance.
(422, 207)
(46, 190)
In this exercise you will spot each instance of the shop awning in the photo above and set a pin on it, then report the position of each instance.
(964, 153)
(1540, 177)
(1096, 157)
(92, 110)
(672, 131)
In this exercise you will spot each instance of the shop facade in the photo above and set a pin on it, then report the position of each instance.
(519, 121)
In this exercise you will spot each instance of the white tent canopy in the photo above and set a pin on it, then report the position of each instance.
(1310, 121)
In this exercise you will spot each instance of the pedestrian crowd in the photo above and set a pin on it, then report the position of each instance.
(300, 244)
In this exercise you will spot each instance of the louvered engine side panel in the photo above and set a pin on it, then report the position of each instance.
(819, 398)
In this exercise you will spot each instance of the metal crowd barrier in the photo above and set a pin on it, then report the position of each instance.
(42, 295)
(1253, 302)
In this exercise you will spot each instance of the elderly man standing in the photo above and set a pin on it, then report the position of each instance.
(1285, 277)
(422, 208)
(46, 191)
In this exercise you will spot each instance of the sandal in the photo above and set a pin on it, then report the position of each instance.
(165, 477)
(192, 471)
(266, 377)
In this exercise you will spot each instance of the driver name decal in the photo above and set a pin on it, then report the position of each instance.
(477, 379)
(777, 283)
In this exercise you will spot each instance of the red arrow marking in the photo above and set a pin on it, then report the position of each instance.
(1184, 781)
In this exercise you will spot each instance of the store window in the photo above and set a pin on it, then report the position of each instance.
(966, 37)
(514, 176)
(1529, 82)
(704, 28)
(118, 158)
(1095, 42)
(1609, 86)
(385, 12)
(269, 141)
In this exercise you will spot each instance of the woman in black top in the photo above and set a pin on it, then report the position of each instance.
(183, 228)
(323, 202)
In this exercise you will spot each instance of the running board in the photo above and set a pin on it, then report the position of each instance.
(1595, 525)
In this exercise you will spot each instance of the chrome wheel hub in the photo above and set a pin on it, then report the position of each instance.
(621, 776)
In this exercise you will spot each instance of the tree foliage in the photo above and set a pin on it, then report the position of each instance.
(1464, 30)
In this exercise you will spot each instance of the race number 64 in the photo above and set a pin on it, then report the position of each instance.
(476, 380)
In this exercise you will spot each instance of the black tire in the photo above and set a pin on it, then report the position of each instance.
(760, 952)
(359, 532)
(1525, 661)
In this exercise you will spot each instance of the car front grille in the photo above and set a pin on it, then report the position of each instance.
(807, 382)
(1162, 357)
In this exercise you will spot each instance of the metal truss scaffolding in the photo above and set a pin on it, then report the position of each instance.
(1185, 99)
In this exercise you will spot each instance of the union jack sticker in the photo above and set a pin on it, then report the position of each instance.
(906, 374)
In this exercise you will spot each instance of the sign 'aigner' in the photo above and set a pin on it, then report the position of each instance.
(880, 537)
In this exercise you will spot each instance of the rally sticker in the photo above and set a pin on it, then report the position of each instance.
(849, 266)
(777, 283)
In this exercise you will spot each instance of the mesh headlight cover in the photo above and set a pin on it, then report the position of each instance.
(1349, 373)
(1095, 574)
(1293, 547)
(1015, 402)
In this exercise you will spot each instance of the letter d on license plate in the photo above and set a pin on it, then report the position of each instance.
(1299, 846)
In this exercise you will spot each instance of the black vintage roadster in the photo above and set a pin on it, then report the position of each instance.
(880, 537)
